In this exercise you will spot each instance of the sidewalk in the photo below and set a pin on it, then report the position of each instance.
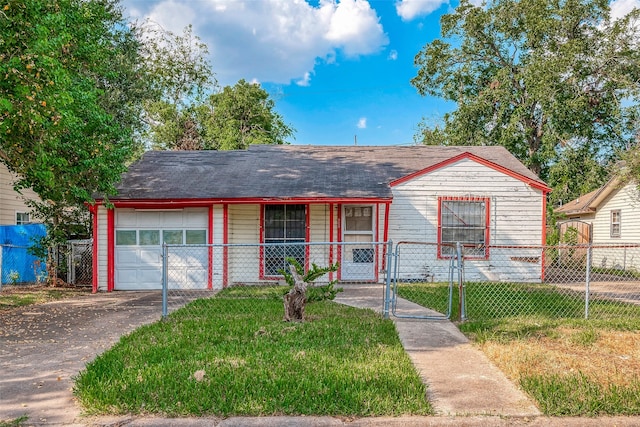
(460, 379)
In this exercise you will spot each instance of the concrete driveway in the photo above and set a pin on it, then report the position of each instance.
(43, 346)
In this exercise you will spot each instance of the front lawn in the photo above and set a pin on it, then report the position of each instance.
(233, 355)
(539, 338)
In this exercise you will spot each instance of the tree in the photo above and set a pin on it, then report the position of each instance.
(298, 296)
(546, 79)
(242, 115)
(182, 77)
(191, 113)
(70, 93)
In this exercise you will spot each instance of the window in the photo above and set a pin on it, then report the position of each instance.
(22, 218)
(358, 218)
(358, 228)
(616, 217)
(172, 237)
(284, 224)
(196, 237)
(149, 237)
(464, 221)
(125, 237)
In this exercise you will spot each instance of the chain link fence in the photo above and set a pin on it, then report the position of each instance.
(19, 267)
(497, 282)
(79, 262)
(191, 272)
(425, 280)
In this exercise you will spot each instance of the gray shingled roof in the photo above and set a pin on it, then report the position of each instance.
(290, 171)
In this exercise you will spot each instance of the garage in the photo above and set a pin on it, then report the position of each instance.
(139, 235)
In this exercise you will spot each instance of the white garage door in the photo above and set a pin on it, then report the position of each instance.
(138, 248)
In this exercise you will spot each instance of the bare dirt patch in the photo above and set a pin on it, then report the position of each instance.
(12, 296)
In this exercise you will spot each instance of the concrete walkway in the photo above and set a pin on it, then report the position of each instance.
(460, 379)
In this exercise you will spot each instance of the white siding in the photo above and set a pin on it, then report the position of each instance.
(516, 214)
(218, 239)
(244, 228)
(12, 202)
(627, 201)
(319, 232)
(102, 248)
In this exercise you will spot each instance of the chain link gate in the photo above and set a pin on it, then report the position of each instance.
(423, 279)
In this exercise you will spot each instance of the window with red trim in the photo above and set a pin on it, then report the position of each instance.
(284, 229)
(463, 220)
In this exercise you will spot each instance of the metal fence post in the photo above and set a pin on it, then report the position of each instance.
(165, 284)
(461, 297)
(387, 291)
(587, 282)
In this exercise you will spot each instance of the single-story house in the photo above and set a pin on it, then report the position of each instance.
(348, 195)
(606, 217)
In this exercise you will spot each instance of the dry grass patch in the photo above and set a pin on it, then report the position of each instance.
(606, 357)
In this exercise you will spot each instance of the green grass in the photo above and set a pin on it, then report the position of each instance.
(508, 314)
(14, 423)
(233, 355)
(489, 300)
(577, 395)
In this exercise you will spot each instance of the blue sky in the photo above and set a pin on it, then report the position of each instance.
(337, 70)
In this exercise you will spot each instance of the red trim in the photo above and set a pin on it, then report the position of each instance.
(339, 229)
(110, 250)
(210, 250)
(203, 203)
(377, 248)
(225, 241)
(544, 236)
(94, 261)
(385, 234)
(331, 239)
(487, 237)
(307, 236)
(466, 155)
(261, 237)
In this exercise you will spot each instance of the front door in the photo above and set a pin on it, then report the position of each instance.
(358, 252)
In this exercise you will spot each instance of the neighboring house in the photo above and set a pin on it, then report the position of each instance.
(13, 210)
(480, 196)
(608, 215)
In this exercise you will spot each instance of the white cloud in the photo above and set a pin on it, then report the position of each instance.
(362, 123)
(275, 41)
(305, 81)
(409, 9)
(620, 8)
(393, 55)
(355, 26)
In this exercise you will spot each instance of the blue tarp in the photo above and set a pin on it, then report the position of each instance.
(18, 265)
